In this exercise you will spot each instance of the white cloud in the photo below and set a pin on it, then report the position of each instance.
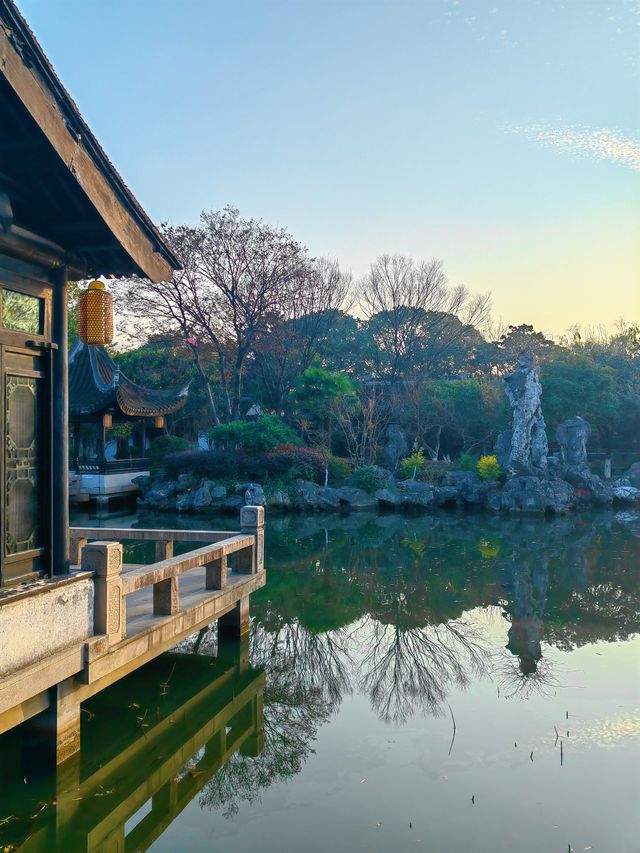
(598, 144)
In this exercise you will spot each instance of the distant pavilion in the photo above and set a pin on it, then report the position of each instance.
(112, 421)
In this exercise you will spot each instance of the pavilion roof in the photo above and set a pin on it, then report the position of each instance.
(97, 384)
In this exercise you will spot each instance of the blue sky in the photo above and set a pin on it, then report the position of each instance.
(500, 136)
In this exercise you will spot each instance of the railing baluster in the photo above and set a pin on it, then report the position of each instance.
(166, 597)
(216, 574)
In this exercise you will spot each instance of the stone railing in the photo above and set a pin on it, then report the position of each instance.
(114, 580)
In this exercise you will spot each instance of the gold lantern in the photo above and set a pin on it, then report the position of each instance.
(158, 421)
(107, 420)
(95, 315)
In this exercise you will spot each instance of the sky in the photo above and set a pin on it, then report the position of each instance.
(502, 137)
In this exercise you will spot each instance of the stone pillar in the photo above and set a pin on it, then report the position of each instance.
(109, 608)
(251, 521)
(216, 573)
(75, 550)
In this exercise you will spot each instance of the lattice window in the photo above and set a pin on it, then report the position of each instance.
(22, 461)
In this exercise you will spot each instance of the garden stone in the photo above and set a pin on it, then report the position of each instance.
(446, 495)
(625, 493)
(280, 499)
(328, 498)
(184, 502)
(417, 494)
(355, 498)
(254, 495)
(388, 497)
(217, 492)
(633, 474)
(241, 488)
(589, 487)
(201, 499)
(572, 436)
(305, 494)
(396, 445)
(530, 494)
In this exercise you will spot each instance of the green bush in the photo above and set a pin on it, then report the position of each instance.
(412, 465)
(370, 478)
(466, 462)
(339, 469)
(488, 468)
(259, 436)
(163, 446)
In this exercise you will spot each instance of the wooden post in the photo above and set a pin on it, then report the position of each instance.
(251, 561)
(105, 560)
(60, 429)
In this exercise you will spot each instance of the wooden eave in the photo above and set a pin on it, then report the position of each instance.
(31, 76)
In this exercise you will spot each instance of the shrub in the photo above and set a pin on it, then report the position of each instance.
(370, 478)
(259, 436)
(488, 468)
(412, 465)
(163, 446)
(286, 462)
(466, 462)
(339, 468)
(433, 472)
(293, 462)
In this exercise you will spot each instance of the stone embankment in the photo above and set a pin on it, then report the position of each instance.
(572, 488)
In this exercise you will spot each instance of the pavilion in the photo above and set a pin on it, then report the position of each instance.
(112, 421)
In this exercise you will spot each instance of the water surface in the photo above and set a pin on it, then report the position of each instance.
(446, 683)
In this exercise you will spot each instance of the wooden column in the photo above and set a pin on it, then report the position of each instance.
(60, 429)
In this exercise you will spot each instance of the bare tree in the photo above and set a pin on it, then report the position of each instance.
(409, 306)
(362, 421)
(237, 273)
(287, 343)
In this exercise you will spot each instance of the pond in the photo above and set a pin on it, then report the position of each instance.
(446, 683)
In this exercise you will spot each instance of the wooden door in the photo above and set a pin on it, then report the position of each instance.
(25, 435)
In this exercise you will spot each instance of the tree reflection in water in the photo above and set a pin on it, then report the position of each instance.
(307, 676)
(386, 612)
(407, 670)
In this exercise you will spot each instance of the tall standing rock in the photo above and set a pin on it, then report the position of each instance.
(524, 447)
